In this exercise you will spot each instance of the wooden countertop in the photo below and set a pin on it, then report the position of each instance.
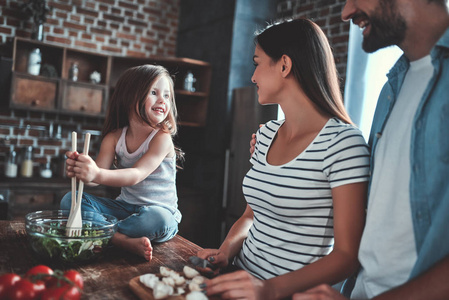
(106, 278)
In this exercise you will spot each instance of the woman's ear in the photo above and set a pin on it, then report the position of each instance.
(286, 65)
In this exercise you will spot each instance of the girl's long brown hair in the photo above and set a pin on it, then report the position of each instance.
(313, 64)
(130, 94)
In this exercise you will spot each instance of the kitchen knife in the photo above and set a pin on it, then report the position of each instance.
(201, 263)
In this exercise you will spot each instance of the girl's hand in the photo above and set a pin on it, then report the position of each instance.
(321, 292)
(252, 144)
(239, 285)
(86, 169)
(70, 163)
(214, 256)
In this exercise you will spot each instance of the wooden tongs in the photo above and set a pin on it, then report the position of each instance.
(75, 222)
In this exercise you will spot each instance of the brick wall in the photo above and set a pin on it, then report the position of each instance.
(119, 27)
(137, 28)
(327, 14)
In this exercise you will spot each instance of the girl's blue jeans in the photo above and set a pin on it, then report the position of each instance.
(155, 222)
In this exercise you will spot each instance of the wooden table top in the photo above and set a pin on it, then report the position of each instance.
(107, 277)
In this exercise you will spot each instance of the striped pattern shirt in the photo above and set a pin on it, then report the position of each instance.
(292, 203)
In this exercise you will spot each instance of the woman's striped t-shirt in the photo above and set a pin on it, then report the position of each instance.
(292, 203)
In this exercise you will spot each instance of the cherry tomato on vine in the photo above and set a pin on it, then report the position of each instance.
(24, 289)
(74, 277)
(66, 292)
(40, 269)
(40, 272)
(6, 282)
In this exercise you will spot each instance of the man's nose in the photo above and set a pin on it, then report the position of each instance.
(348, 10)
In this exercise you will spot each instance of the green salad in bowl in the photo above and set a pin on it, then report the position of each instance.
(47, 235)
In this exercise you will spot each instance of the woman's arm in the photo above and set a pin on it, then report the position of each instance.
(238, 233)
(349, 219)
(233, 241)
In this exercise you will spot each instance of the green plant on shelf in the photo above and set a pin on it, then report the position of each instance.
(37, 10)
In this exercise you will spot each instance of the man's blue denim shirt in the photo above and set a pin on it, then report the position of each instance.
(429, 155)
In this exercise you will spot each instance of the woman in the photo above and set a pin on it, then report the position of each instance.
(306, 191)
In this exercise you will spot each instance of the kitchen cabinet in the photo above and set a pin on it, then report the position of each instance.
(55, 89)
(24, 195)
(30, 92)
(82, 97)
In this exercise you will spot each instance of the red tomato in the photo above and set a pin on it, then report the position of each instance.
(6, 281)
(65, 292)
(51, 282)
(74, 277)
(24, 290)
(39, 287)
(40, 269)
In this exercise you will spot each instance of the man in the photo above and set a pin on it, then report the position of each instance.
(404, 252)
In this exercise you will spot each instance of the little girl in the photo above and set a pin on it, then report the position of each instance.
(137, 141)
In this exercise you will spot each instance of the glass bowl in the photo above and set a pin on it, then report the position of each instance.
(46, 232)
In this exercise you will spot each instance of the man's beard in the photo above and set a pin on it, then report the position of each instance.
(387, 28)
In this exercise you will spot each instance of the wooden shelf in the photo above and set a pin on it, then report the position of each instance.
(192, 94)
(56, 91)
(190, 124)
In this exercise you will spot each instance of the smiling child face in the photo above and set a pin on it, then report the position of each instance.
(157, 105)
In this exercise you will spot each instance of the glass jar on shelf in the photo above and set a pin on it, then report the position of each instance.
(189, 82)
(34, 61)
(26, 169)
(45, 170)
(74, 71)
(11, 164)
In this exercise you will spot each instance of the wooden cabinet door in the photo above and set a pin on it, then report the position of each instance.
(85, 98)
(33, 92)
(24, 202)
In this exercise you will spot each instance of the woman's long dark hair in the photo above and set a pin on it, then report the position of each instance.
(313, 64)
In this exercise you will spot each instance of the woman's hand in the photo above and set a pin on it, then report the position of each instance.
(321, 292)
(216, 257)
(239, 285)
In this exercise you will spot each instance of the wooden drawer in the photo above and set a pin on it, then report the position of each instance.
(23, 203)
(33, 91)
(83, 97)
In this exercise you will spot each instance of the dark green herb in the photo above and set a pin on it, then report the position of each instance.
(53, 243)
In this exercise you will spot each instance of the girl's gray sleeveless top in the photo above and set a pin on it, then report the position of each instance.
(159, 188)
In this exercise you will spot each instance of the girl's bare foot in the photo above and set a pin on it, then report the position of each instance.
(140, 246)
